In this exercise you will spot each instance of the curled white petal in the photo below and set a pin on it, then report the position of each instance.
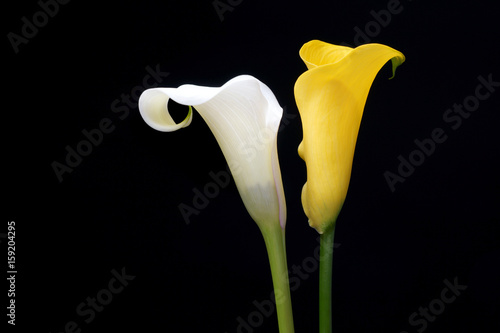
(244, 117)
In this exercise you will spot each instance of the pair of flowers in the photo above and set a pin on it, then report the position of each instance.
(244, 113)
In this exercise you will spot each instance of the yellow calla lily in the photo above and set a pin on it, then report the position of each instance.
(331, 96)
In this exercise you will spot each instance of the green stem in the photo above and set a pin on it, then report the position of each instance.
(274, 238)
(325, 280)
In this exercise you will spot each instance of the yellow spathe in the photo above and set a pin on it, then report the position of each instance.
(331, 96)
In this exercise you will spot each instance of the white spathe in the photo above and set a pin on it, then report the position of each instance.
(244, 117)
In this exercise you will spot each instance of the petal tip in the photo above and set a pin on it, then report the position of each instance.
(396, 62)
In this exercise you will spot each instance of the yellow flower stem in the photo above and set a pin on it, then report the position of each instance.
(274, 237)
(325, 279)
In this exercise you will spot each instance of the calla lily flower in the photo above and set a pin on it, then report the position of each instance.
(244, 117)
(331, 96)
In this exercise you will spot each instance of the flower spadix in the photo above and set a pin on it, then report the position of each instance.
(331, 96)
(244, 117)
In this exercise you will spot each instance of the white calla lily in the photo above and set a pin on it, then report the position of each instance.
(244, 117)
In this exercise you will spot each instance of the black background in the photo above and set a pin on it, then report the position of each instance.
(119, 207)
